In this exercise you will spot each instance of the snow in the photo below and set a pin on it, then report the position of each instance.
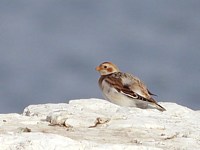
(97, 124)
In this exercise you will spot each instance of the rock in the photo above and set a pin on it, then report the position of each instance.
(97, 124)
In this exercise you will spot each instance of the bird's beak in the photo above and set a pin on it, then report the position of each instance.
(98, 68)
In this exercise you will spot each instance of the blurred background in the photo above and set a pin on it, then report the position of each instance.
(49, 49)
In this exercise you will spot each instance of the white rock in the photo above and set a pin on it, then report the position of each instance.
(97, 124)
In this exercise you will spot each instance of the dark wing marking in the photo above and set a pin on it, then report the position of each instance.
(151, 93)
(134, 95)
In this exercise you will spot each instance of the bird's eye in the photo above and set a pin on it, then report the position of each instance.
(104, 67)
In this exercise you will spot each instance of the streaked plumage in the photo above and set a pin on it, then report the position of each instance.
(124, 89)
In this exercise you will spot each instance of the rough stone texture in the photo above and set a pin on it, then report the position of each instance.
(97, 124)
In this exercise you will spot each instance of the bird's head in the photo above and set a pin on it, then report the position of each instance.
(107, 68)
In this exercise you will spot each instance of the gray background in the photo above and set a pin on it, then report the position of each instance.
(49, 49)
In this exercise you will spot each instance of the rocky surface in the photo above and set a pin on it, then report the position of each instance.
(97, 124)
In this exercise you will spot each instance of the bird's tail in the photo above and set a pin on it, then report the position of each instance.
(159, 107)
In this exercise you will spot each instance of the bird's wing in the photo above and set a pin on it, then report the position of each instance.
(129, 86)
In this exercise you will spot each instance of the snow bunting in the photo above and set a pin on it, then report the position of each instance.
(124, 89)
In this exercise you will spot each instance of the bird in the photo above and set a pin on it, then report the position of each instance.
(125, 89)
